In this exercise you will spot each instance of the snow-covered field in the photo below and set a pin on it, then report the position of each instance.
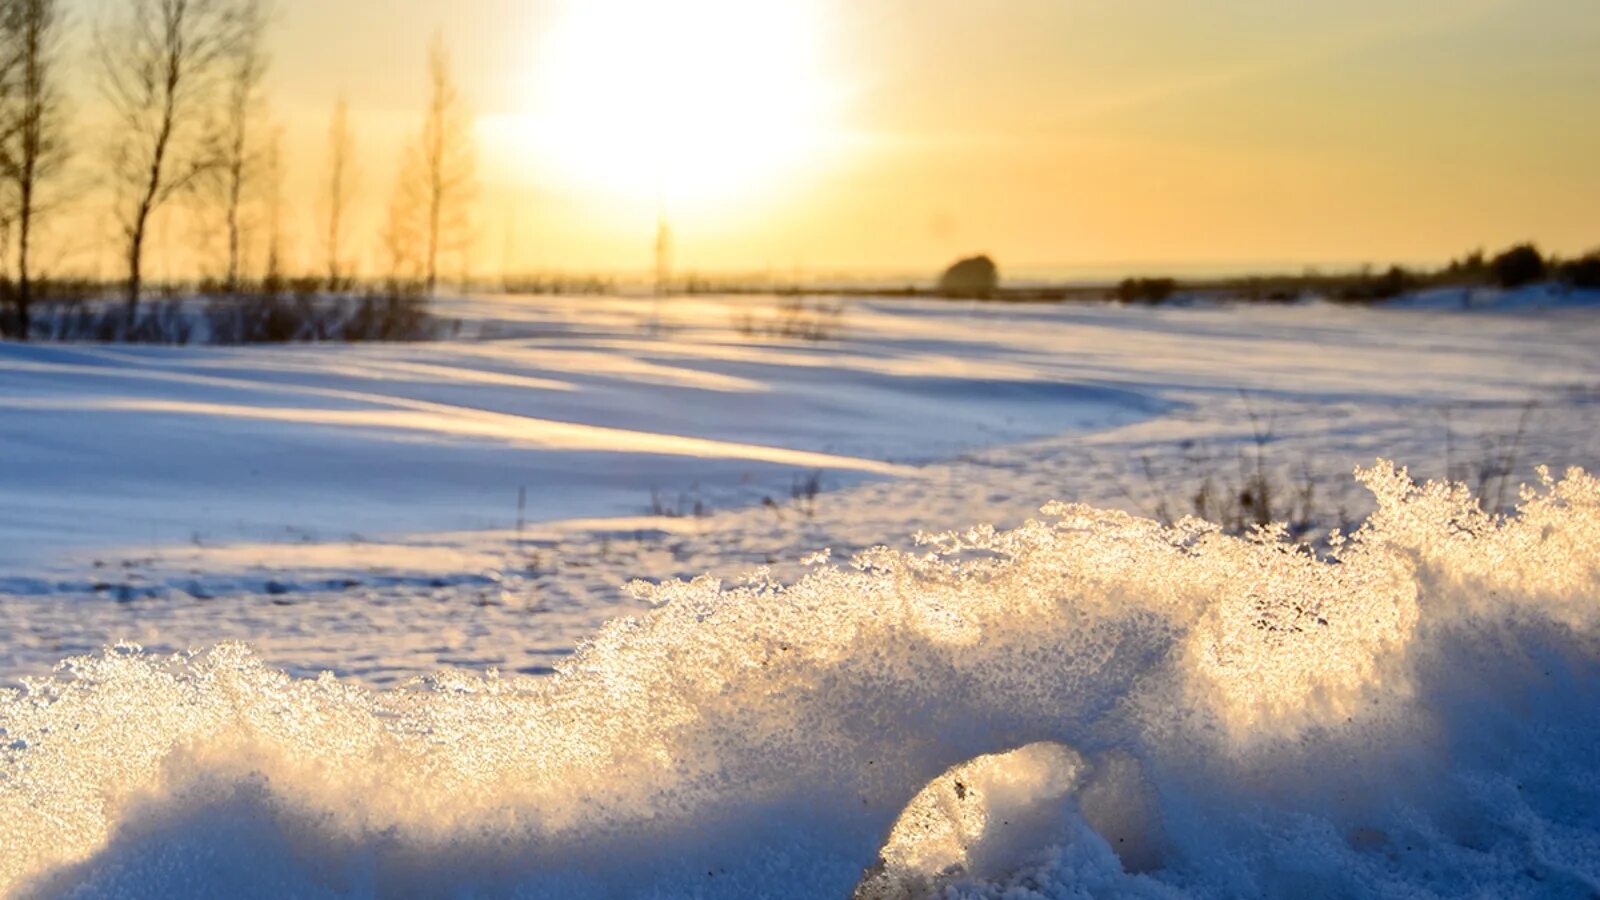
(1191, 713)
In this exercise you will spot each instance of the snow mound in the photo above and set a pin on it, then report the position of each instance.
(1091, 704)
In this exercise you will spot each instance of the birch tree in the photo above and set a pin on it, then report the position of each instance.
(430, 213)
(341, 190)
(34, 144)
(164, 64)
(245, 68)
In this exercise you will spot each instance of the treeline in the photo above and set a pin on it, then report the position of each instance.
(1514, 267)
(184, 85)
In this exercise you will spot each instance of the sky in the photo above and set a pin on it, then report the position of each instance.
(891, 136)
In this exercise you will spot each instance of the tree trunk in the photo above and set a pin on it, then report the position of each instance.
(433, 241)
(333, 243)
(236, 176)
(135, 265)
(24, 280)
(233, 245)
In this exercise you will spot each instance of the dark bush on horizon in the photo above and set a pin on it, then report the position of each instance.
(160, 320)
(974, 277)
(1518, 266)
(1146, 290)
(272, 312)
(1471, 268)
(1392, 283)
(272, 315)
(557, 285)
(1583, 272)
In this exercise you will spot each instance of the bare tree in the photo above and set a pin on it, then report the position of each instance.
(402, 232)
(246, 68)
(430, 214)
(10, 90)
(33, 121)
(341, 188)
(663, 255)
(164, 63)
(272, 183)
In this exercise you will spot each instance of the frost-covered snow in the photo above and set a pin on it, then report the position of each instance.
(1088, 704)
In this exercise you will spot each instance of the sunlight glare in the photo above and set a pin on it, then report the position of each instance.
(687, 103)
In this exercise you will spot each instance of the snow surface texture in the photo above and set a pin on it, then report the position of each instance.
(354, 509)
(588, 414)
(1088, 705)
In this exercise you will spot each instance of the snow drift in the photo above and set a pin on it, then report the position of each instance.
(1091, 704)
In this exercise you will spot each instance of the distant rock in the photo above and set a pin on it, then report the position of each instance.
(977, 276)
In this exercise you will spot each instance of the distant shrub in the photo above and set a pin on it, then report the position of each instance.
(1386, 286)
(391, 315)
(158, 321)
(1520, 265)
(1146, 290)
(1583, 272)
(793, 319)
(1469, 269)
(557, 285)
(265, 314)
(264, 318)
(977, 276)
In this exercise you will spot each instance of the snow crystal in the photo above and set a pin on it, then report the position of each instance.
(1090, 704)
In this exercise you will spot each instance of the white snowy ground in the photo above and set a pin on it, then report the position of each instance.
(1090, 705)
(354, 508)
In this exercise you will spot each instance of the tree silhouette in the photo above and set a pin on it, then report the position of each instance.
(246, 67)
(429, 214)
(272, 185)
(33, 128)
(1520, 265)
(341, 189)
(163, 64)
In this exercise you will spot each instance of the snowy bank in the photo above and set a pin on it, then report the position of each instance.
(1090, 704)
(1528, 298)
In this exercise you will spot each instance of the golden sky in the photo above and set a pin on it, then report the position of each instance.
(893, 135)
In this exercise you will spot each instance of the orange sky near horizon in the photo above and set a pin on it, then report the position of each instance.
(889, 136)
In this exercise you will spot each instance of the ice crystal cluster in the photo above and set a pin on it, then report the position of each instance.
(1089, 705)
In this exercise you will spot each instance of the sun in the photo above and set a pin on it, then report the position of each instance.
(682, 103)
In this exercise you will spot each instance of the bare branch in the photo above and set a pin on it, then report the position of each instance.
(164, 68)
(430, 211)
(33, 127)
